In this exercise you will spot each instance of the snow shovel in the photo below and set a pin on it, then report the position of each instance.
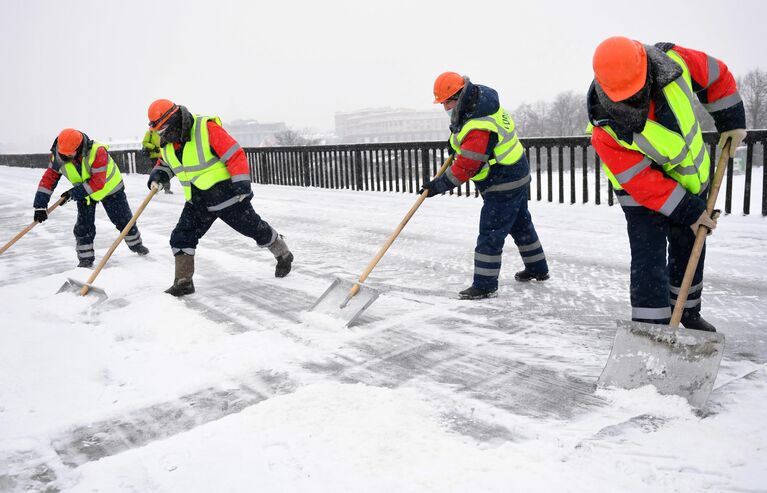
(675, 360)
(349, 299)
(84, 288)
(29, 228)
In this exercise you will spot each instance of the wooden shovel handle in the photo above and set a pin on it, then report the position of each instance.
(700, 236)
(356, 288)
(84, 290)
(29, 228)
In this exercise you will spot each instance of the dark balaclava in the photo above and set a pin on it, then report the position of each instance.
(179, 128)
(630, 113)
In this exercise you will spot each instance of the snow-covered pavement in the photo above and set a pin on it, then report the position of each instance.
(238, 388)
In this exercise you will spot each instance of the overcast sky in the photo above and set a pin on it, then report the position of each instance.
(96, 66)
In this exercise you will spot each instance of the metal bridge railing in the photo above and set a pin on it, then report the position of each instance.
(565, 169)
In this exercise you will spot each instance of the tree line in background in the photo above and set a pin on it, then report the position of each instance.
(566, 115)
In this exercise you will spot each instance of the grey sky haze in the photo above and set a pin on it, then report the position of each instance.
(96, 66)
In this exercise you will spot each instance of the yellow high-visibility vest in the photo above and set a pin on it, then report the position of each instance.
(507, 151)
(683, 156)
(198, 164)
(86, 170)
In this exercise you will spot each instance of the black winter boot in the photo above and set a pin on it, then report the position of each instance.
(183, 284)
(474, 293)
(695, 322)
(284, 258)
(86, 263)
(139, 249)
(526, 275)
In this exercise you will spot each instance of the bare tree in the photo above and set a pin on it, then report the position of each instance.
(530, 119)
(753, 90)
(567, 114)
(294, 138)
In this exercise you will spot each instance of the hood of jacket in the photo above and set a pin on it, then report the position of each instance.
(475, 101)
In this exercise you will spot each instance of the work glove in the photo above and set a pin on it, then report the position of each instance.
(242, 189)
(145, 152)
(67, 196)
(436, 187)
(705, 220)
(159, 179)
(429, 186)
(736, 134)
(41, 215)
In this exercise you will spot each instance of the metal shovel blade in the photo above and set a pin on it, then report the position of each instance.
(676, 361)
(335, 301)
(75, 286)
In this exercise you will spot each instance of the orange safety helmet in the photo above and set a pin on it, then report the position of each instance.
(159, 112)
(620, 67)
(446, 85)
(69, 141)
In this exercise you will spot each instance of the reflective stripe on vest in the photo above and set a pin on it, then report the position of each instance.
(507, 151)
(683, 156)
(112, 183)
(198, 164)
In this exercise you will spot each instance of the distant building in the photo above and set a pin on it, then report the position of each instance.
(250, 133)
(123, 144)
(391, 125)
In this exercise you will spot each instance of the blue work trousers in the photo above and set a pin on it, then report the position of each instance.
(196, 219)
(656, 277)
(505, 214)
(118, 211)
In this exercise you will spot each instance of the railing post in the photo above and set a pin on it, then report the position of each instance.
(305, 172)
(764, 177)
(424, 166)
(549, 174)
(538, 173)
(747, 192)
(597, 188)
(585, 169)
(358, 169)
(529, 183)
(610, 193)
(572, 174)
(560, 167)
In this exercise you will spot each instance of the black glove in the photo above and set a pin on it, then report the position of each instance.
(41, 215)
(430, 187)
(241, 187)
(145, 152)
(158, 178)
(67, 196)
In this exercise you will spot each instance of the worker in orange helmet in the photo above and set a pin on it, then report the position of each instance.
(96, 178)
(488, 151)
(648, 137)
(150, 147)
(215, 176)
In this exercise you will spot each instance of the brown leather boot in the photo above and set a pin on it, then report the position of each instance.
(183, 283)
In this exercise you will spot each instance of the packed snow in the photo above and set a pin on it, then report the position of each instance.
(239, 387)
